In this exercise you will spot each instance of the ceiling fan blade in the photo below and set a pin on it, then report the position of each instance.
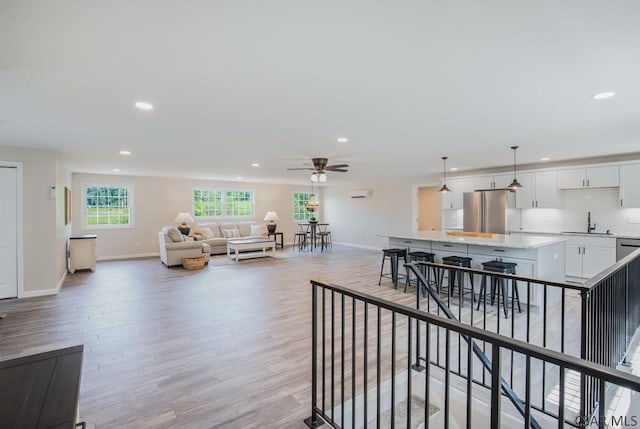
(341, 170)
(302, 168)
(329, 167)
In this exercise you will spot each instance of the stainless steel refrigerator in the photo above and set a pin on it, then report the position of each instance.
(486, 211)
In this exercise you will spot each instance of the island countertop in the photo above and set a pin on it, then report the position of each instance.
(514, 241)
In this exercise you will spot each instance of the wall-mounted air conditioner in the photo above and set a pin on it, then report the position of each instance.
(361, 193)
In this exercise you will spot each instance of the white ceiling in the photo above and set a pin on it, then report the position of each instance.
(276, 82)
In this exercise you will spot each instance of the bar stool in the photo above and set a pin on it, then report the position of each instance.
(456, 261)
(418, 256)
(393, 255)
(325, 236)
(503, 268)
(300, 238)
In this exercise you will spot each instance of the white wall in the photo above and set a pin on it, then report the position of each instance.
(157, 201)
(359, 221)
(44, 241)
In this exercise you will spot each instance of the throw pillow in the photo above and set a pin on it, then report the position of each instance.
(258, 230)
(207, 233)
(195, 231)
(230, 233)
(175, 235)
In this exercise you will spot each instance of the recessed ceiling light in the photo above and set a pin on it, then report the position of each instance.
(116, 170)
(454, 168)
(255, 164)
(125, 152)
(545, 158)
(603, 95)
(143, 105)
(239, 178)
(342, 139)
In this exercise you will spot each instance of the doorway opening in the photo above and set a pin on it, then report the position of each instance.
(429, 209)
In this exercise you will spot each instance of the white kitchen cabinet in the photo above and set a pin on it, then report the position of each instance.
(496, 181)
(629, 180)
(587, 256)
(539, 190)
(453, 199)
(606, 176)
(82, 252)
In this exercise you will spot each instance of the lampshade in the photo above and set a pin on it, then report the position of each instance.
(314, 177)
(271, 216)
(322, 177)
(183, 217)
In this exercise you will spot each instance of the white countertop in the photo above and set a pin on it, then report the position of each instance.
(515, 241)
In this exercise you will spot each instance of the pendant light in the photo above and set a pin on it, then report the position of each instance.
(312, 203)
(444, 188)
(515, 184)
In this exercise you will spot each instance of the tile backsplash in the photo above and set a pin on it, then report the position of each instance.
(603, 203)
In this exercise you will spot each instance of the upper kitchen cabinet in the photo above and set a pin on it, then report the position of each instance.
(453, 199)
(539, 190)
(591, 177)
(629, 179)
(498, 181)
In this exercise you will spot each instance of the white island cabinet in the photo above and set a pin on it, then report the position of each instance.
(541, 257)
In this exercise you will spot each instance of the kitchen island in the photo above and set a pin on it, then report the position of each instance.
(541, 257)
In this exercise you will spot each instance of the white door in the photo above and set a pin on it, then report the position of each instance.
(597, 259)
(547, 190)
(603, 177)
(629, 179)
(573, 260)
(8, 232)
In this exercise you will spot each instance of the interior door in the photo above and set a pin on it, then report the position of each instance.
(8, 232)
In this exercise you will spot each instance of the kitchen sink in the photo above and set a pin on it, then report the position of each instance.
(586, 233)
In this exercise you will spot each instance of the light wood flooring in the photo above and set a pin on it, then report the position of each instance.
(228, 346)
(224, 347)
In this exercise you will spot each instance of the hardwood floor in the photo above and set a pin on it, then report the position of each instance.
(224, 347)
(228, 346)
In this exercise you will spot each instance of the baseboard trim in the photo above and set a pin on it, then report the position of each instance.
(136, 256)
(359, 246)
(60, 283)
(41, 292)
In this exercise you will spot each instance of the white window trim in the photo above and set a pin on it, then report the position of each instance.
(224, 191)
(83, 208)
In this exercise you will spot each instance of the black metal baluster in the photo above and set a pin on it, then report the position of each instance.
(378, 365)
(342, 360)
(561, 398)
(447, 379)
(562, 314)
(365, 370)
(469, 380)
(409, 334)
(324, 340)
(312, 421)
(496, 368)
(527, 393)
(393, 369)
(544, 344)
(427, 375)
(333, 353)
(602, 407)
(353, 362)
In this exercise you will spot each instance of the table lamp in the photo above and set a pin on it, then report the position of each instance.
(272, 217)
(183, 219)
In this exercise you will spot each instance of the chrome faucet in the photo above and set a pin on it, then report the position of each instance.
(589, 227)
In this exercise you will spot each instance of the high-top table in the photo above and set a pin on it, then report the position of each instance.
(313, 228)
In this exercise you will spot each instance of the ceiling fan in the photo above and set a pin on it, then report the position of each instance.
(320, 167)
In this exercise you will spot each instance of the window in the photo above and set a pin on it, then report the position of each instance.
(107, 206)
(207, 203)
(300, 212)
(215, 203)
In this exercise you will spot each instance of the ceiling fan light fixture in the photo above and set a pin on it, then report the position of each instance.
(322, 177)
(444, 188)
(314, 177)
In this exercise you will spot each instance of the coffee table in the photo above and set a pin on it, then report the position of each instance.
(260, 245)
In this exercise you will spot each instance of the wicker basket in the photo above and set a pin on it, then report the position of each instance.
(196, 263)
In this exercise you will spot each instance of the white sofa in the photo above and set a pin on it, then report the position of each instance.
(173, 250)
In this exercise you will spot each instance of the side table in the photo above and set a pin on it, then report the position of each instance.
(279, 243)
